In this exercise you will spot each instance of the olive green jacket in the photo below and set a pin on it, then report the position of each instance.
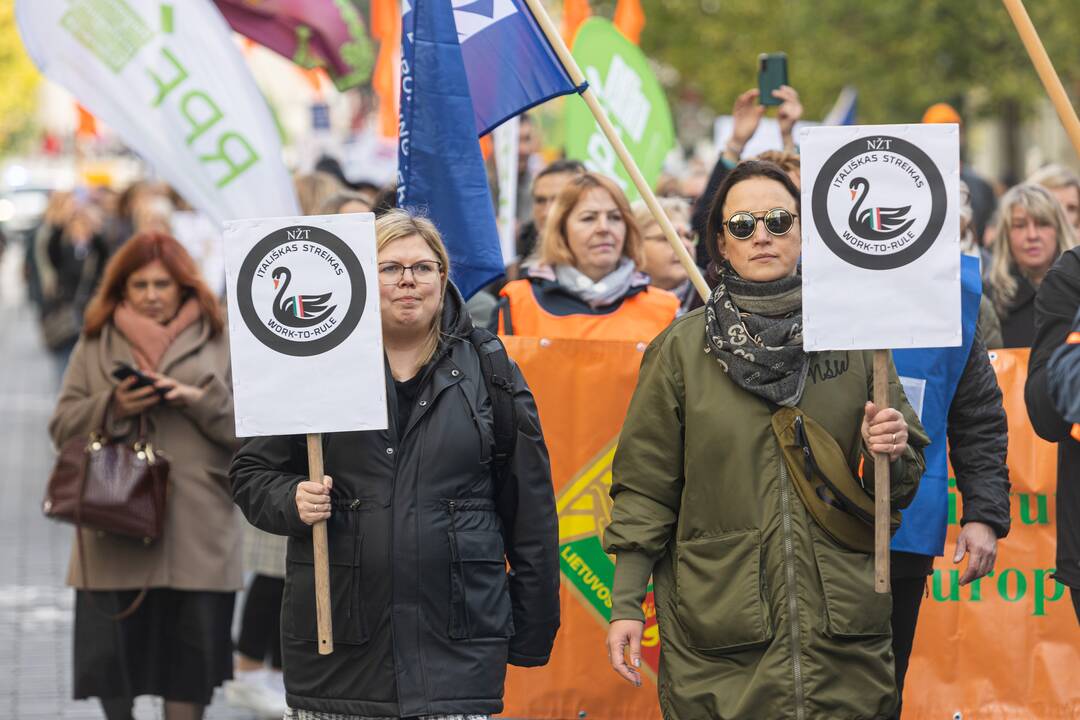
(761, 615)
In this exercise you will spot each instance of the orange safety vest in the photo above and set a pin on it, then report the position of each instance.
(640, 317)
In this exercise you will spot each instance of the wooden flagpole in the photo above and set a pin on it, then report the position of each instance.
(321, 552)
(1050, 80)
(578, 78)
(882, 509)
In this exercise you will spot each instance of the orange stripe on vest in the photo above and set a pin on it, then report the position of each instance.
(640, 317)
(1073, 339)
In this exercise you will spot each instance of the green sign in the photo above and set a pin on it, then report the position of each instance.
(620, 77)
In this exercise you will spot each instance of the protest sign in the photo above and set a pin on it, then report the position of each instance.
(881, 237)
(583, 390)
(619, 75)
(170, 81)
(304, 325)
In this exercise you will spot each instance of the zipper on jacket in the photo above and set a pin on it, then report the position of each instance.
(793, 601)
(452, 506)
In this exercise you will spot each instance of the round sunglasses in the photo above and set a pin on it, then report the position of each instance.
(778, 221)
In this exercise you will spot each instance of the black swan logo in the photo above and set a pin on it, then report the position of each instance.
(877, 223)
(298, 311)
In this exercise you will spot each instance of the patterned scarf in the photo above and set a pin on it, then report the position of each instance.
(754, 330)
(150, 339)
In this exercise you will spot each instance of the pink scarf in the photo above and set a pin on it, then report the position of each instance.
(150, 339)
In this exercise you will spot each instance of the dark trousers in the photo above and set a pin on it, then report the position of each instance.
(260, 625)
(909, 572)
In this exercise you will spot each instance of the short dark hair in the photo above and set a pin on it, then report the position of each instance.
(745, 170)
(574, 167)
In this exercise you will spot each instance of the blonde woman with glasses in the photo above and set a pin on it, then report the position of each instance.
(422, 529)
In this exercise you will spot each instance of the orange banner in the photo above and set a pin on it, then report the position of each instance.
(1007, 646)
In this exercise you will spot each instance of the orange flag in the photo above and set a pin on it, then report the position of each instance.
(574, 12)
(386, 28)
(87, 126)
(630, 19)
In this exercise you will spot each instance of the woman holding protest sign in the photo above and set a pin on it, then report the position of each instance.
(154, 321)
(736, 488)
(422, 518)
(588, 282)
(1032, 233)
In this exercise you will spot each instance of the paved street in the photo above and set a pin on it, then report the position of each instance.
(35, 606)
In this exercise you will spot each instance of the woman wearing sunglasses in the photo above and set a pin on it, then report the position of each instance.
(588, 283)
(762, 613)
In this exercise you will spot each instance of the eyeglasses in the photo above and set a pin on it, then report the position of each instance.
(778, 222)
(424, 272)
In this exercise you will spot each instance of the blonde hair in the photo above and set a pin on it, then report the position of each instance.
(1053, 177)
(554, 246)
(313, 189)
(1040, 204)
(397, 224)
(673, 207)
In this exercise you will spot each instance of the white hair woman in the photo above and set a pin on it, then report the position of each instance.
(1032, 232)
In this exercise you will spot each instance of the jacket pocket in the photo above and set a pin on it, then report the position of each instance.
(479, 591)
(852, 607)
(720, 590)
(346, 599)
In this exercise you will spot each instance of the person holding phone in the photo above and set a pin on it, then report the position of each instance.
(154, 315)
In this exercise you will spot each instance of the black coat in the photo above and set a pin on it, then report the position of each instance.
(1055, 307)
(425, 615)
(1018, 320)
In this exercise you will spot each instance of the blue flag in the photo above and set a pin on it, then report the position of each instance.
(492, 48)
(510, 64)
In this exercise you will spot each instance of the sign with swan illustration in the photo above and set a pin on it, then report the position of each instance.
(881, 222)
(304, 320)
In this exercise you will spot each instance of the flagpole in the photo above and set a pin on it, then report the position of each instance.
(578, 78)
(1041, 60)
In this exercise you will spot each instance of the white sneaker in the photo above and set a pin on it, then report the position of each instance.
(251, 691)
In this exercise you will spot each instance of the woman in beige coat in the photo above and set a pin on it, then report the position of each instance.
(153, 312)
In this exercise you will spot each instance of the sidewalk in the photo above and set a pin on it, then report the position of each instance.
(35, 606)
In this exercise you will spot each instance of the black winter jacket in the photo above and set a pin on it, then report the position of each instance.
(1063, 379)
(978, 433)
(425, 614)
(1055, 306)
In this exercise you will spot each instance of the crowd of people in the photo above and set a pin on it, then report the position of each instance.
(765, 608)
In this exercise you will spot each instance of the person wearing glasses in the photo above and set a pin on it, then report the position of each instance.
(441, 573)
(588, 282)
(661, 263)
(762, 613)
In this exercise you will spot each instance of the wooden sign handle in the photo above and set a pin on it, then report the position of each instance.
(882, 509)
(322, 552)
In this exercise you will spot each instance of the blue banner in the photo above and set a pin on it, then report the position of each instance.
(495, 49)
(510, 64)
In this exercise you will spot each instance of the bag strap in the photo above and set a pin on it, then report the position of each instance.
(812, 470)
(498, 377)
(138, 601)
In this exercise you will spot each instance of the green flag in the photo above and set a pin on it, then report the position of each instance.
(627, 89)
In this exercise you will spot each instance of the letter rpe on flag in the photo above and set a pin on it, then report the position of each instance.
(169, 79)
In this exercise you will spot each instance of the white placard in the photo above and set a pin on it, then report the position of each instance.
(881, 237)
(304, 324)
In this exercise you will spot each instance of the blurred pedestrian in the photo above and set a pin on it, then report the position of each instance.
(344, 201)
(1032, 232)
(1055, 307)
(587, 283)
(774, 612)
(71, 260)
(661, 263)
(154, 313)
(1064, 184)
(546, 186)
(983, 198)
(421, 530)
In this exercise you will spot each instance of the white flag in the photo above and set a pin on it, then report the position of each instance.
(168, 78)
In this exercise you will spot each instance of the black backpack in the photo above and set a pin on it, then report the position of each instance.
(499, 379)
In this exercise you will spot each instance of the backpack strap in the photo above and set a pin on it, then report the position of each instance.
(498, 377)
